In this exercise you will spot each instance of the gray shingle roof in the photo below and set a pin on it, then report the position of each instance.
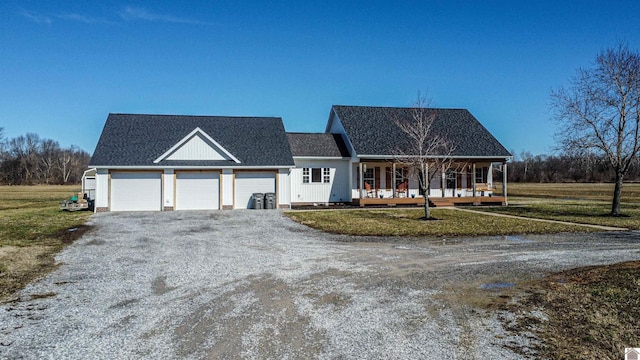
(317, 144)
(372, 130)
(138, 140)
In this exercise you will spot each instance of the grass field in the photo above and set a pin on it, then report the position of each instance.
(32, 231)
(600, 192)
(406, 222)
(600, 303)
(580, 203)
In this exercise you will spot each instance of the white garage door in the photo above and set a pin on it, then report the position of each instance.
(248, 183)
(197, 190)
(136, 191)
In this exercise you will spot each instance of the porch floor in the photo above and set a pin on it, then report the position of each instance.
(433, 201)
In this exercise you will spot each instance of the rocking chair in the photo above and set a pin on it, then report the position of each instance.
(402, 189)
(370, 191)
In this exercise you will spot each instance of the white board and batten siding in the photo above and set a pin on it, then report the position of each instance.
(198, 148)
(284, 188)
(197, 190)
(136, 191)
(249, 182)
(336, 190)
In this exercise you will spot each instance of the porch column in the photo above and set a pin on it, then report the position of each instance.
(361, 184)
(504, 182)
(473, 179)
(443, 182)
(393, 179)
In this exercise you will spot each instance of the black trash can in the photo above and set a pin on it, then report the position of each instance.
(258, 200)
(270, 200)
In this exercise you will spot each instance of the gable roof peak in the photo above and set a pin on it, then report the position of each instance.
(210, 149)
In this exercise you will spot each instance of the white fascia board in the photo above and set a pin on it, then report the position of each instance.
(321, 158)
(86, 171)
(384, 157)
(332, 116)
(186, 138)
(160, 168)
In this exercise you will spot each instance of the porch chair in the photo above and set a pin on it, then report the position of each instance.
(402, 189)
(370, 191)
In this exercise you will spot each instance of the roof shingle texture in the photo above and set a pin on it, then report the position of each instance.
(317, 145)
(138, 140)
(372, 130)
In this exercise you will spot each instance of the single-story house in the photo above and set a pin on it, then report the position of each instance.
(167, 162)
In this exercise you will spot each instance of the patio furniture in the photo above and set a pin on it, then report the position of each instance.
(370, 191)
(402, 189)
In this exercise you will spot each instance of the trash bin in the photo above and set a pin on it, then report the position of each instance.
(258, 200)
(270, 201)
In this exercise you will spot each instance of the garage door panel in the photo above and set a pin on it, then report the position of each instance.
(198, 190)
(136, 191)
(247, 183)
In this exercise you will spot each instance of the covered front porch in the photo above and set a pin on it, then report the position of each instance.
(433, 202)
(469, 182)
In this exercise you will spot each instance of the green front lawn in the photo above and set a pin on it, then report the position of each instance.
(32, 231)
(578, 211)
(406, 222)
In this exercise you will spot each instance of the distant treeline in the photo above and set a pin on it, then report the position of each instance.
(30, 160)
(565, 168)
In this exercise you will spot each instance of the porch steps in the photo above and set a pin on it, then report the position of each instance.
(441, 202)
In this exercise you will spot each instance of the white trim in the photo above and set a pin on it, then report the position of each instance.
(390, 157)
(160, 168)
(187, 138)
(86, 171)
(321, 158)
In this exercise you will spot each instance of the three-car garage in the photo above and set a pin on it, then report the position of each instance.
(192, 189)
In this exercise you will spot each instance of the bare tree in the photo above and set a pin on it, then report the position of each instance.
(601, 111)
(49, 151)
(2, 141)
(65, 164)
(426, 153)
(24, 152)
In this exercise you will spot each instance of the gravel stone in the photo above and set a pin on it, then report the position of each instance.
(254, 284)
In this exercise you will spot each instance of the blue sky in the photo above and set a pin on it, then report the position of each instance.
(64, 65)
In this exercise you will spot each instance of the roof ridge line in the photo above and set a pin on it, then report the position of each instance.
(400, 107)
(200, 116)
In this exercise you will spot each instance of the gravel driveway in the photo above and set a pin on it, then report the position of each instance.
(253, 284)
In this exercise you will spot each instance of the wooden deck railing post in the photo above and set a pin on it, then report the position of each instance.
(443, 180)
(504, 182)
(393, 179)
(361, 184)
(473, 179)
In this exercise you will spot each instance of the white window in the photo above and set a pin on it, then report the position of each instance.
(451, 179)
(369, 177)
(316, 175)
(481, 175)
